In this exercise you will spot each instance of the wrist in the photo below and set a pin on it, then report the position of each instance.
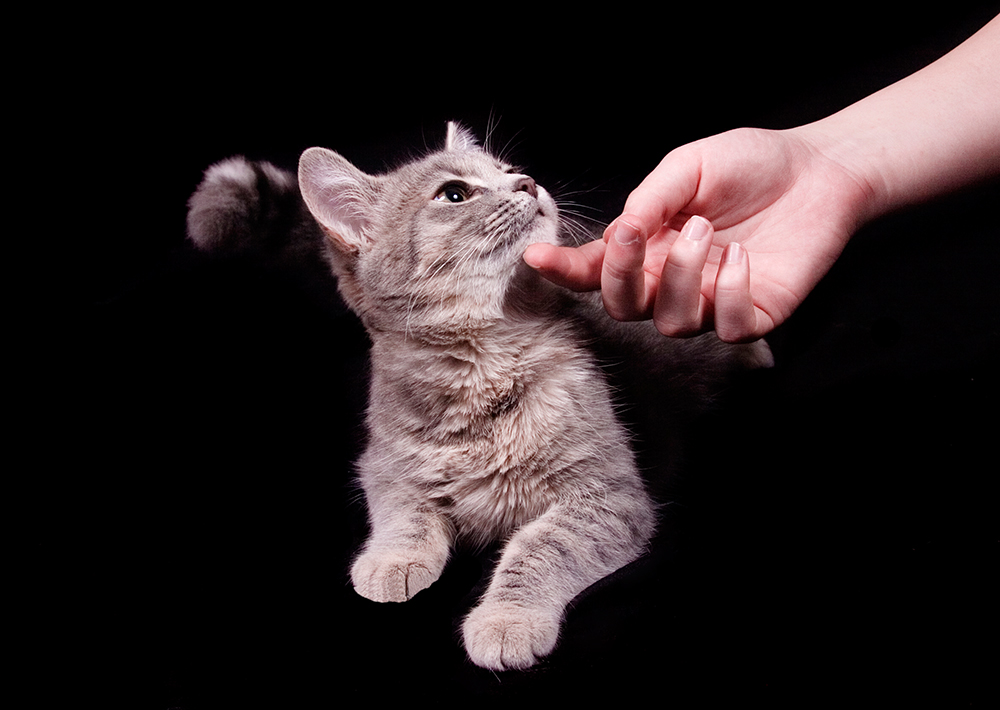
(928, 134)
(859, 191)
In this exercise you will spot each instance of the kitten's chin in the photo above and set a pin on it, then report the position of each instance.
(528, 292)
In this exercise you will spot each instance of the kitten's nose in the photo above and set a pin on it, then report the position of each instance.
(526, 184)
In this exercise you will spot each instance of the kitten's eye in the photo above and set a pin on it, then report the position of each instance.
(452, 192)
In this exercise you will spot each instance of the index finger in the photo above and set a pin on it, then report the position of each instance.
(576, 268)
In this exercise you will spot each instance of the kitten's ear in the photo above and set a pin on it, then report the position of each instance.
(340, 197)
(460, 138)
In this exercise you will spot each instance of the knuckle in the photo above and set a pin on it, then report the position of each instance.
(736, 335)
(615, 307)
(622, 312)
(618, 272)
(677, 329)
(737, 327)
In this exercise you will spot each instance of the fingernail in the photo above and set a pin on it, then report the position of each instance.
(734, 253)
(625, 233)
(530, 257)
(696, 229)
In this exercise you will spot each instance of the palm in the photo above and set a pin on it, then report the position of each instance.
(788, 207)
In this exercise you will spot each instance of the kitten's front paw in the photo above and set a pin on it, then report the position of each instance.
(507, 636)
(393, 576)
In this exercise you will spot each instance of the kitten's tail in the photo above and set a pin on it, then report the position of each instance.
(252, 208)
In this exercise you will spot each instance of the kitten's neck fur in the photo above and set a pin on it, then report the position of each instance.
(461, 378)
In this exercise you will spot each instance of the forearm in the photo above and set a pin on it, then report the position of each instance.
(930, 133)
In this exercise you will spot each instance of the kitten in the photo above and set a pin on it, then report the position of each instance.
(489, 417)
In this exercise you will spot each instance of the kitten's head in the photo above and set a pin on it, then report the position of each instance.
(433, 247)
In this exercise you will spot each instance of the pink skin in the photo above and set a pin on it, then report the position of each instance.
(730, 233)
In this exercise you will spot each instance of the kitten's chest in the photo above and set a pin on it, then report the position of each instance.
(501, 472)
(466, 391)
(492, 435)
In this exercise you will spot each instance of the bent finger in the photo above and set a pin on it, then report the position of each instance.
(737, 320)
(625, 286)
(680, 306)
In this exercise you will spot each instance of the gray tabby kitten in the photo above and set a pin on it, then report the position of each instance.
(489, 417)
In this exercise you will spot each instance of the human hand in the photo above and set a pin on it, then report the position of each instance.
(728, 233)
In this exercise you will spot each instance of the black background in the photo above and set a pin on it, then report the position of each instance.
(190, 516)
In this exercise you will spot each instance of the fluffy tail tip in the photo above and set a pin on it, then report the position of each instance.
(230, 210)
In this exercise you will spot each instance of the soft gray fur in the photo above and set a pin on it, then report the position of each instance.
(489, 417)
